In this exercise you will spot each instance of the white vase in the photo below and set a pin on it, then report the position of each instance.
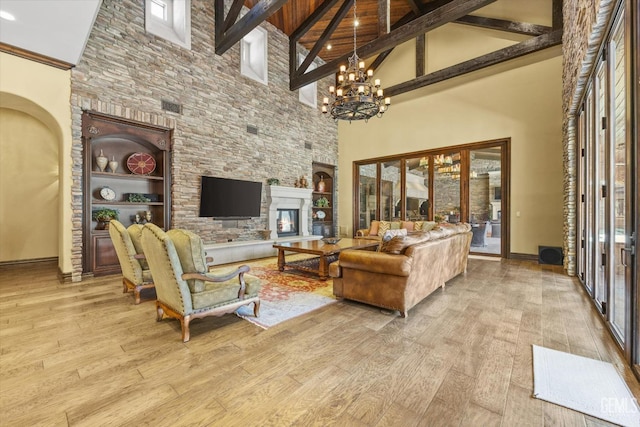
(113, 164)
(102, 161)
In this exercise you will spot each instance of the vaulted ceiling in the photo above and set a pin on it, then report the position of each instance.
(312, 24)
(325, 29)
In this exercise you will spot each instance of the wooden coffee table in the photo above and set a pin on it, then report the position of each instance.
(326, 254)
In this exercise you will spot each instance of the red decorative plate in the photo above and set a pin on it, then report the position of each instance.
(141, 163)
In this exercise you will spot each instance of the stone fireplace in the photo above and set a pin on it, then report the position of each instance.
(287, 199)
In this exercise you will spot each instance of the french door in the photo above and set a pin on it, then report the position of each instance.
(607, 186)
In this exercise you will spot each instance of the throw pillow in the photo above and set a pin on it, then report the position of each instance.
(395, 225)
(373, 230)
(389, 234)
(409, 225)
(394, 246)
(383, 227)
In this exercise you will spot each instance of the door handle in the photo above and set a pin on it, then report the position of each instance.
(622, 257)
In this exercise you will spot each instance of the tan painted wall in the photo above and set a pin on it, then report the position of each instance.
(28, 188)
(43, 92)
(520, 100)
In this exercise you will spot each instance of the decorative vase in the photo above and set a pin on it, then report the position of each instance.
(102, 161)
(113, 164)
(321, 185)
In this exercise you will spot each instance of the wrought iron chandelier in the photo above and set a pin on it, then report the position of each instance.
(355, 97)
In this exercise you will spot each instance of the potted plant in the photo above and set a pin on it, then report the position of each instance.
(273, 181)
(103, 216)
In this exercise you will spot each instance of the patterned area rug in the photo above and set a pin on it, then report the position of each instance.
(285, 295)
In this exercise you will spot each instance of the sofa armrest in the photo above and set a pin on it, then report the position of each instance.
(362, 232)
(376, 262)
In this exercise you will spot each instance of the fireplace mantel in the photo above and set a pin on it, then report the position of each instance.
(279, 197)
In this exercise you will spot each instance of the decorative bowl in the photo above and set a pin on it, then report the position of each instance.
(331, 240)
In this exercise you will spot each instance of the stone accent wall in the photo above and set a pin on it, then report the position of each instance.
(584, 30)
(127, 73)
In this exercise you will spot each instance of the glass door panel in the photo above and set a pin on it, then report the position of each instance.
(602, 235)
(390, 191)
(446, 182)
(485, 199)
(617, 296)
(367, 203)
(589, 193)
(417, 189)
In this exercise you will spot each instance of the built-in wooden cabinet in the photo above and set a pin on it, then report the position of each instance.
(323, 200)
(141, 181)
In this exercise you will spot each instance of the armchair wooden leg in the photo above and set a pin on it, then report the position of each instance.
(184, 323)
(124, 286)
(256, 308)
(136, 293)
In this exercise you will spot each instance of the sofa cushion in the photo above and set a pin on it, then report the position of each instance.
(408, 225)
(395, 225)
(383, 227)
(424, 225)
(399, 244)
(373, 230)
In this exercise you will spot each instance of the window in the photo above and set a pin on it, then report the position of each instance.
(159, 9)
(253, 55)
(170, 20)
(309, 93)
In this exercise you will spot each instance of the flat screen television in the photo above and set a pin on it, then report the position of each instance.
(229, 198)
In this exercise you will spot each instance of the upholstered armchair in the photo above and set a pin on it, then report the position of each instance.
(135, 271)
(185, 287)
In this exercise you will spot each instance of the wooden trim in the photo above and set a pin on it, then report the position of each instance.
(556, 15)
(64, 277)
(414, 6)
(37, 57)
(523, 257)
(29, 261)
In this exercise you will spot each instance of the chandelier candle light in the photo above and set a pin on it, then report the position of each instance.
(355, 97)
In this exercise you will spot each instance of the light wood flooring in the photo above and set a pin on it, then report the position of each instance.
(85, 355)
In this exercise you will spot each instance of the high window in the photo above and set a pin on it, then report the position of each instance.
(170, 20)
(254, 55)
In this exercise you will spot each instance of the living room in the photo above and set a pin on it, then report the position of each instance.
(232, 126)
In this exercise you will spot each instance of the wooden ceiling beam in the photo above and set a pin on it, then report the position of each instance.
(384, 17)
(420, 54)
(326, 34)
(504, 25)
(256, 16)
(232, 16)
(526, 47)
(317, 15)
(415, 7)
(450, 11)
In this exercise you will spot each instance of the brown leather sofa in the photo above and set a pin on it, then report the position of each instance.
(377, 228)
(406, 269)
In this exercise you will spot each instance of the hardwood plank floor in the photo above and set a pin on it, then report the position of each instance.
(84, 354)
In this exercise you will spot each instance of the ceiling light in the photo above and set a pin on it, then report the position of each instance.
(6, 15)
(329, 47)
(355, 97)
